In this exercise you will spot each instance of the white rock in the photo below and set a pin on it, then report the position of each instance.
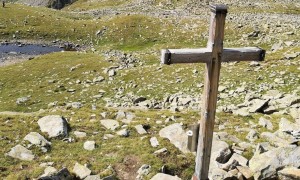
(89, 145)
(110, 124)
(140, 129)
(161, 176)
(21, 153)
(93, 177)
(79, 134)
(36, 139)
(53, 125)
(81, 171)
(154, 142)
(123, 132)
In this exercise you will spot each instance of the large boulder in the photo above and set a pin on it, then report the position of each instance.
(54, 126)
(266, 165)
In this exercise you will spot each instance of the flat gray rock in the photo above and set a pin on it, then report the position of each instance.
(154, 142)
(54, 126)
(161, 176)
(79, 134)
(176, 135)
(110, 124)
(37, 139)
(20, 152)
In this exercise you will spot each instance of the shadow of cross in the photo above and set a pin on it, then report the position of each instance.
(212, 55)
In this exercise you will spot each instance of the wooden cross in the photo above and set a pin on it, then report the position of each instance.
(212, 55)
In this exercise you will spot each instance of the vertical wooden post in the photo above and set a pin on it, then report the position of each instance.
(215, 43)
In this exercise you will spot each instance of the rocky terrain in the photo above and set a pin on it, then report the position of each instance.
(111, 111)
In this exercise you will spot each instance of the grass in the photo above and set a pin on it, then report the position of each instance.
(47, 79)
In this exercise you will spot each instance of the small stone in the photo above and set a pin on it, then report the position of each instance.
(252, 135)
(123, 132)
(140, 129)
(37, 139)
(79, 134)
(108, 136)
(154, 142)
(89, 145)
(81, 171)
(143, 171)
(21, 153)
(98, 79)
(110, 124)
(22, 100)
(161, 151)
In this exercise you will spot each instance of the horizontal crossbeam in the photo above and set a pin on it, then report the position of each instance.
(204, 55)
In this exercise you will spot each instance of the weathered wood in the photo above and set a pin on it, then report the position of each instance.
(212, 73)
(204, 55)
(174, 56)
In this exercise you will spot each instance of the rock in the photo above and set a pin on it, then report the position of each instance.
(63, 174)
(176, 135)
(295, 113)
(54, 126)
(220, 151)
(218, 174)
(246, 172)
(161, 176)
(139, 99)
(123, 132)
(257, 105)
(154, 142)
(274, 140)
(291, 56)
(22, 100)
(110, 124)
(89, 145)
(242, 112)
(111, 72)
(79, 134)
(108, 136)
(265, 123)
(140, 129)
(37, 139)
(76, 105)
(49, 171)
(289, 173)
(21, 153)
(143, 171)
(160, 151)
(289, 127)
(93, 177)
(234, 161)
(98, 79)
(81, 171)
(265, 165)
(252, 135)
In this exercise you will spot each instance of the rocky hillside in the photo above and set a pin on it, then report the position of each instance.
(55, 4)
(111, 111)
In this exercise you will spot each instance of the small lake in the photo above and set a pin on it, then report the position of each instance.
(27, 49)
